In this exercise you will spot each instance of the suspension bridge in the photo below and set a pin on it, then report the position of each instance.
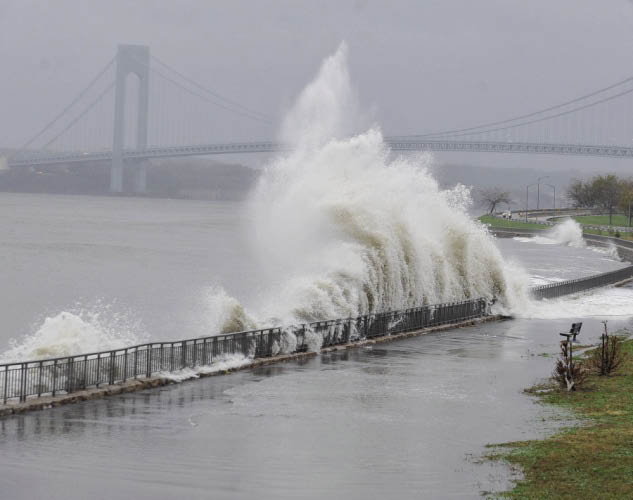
(169, 114)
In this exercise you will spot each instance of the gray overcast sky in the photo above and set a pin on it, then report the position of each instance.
(422, 65)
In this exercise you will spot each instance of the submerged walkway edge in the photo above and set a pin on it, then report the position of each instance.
(47, 402)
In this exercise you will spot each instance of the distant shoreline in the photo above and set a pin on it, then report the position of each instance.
(189, 179)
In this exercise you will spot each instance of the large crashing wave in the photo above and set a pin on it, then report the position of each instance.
(344, 229)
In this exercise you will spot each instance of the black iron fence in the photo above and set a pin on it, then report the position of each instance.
(554, 290)
(66, 375)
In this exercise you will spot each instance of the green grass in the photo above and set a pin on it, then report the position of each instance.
(514, 224)
(588, 461)
(624, 236)
(603, 220)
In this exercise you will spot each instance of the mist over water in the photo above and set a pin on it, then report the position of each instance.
(343, 228)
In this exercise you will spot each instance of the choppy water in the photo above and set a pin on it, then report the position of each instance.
(397, 421)
(142, 266)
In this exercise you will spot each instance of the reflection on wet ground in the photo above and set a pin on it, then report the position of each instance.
(395, 420)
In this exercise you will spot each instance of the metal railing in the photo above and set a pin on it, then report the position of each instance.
(66, 375)
(75, 373)
(554, 290)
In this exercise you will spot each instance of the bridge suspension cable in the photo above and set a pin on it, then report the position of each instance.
(229, 102)
(68, 107)
(217, 99)
(91, 106)
(206, 98)
(476, 129)
(545, 118)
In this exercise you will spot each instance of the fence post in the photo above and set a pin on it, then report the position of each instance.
(85, 372)
(39, 380)
(68, 375)
(111, 381)
(6, 383)
(270, 340)
(125, 366)
(23, 383)
(149, 360)
(54, 377)
(98, 370)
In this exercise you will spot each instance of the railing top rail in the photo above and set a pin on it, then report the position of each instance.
(324, 323)
(331, 322)
(623, 270)
(222, 336)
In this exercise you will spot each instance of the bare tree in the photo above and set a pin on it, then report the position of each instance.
(491, 197)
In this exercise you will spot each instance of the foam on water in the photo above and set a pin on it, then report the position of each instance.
(568, 233)
(224, 363)
(604, 302)
(343, 228)
(610, 251)
(82, 331)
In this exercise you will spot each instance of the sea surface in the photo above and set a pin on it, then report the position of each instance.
(403, 420)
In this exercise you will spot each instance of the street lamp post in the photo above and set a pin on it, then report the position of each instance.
(538, 189)
(554, 188)
(527, 193)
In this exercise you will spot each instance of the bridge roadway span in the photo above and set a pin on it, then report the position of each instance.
(395, 143)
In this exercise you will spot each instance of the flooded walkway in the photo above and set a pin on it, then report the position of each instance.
(400, 420)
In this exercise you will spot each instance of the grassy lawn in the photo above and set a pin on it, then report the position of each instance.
(603, 220)
(498, 222)
(515, 224)
(590, 461)
(624, 236)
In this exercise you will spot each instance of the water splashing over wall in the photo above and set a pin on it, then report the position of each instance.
(344, 228)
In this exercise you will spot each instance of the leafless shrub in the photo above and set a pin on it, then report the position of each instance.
(568, 373)
(609, 354)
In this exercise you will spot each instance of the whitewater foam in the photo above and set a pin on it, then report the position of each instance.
(221, 364)
(605, 302)
(82, 331)
(344, 228)
(610, 251)
(568, 233)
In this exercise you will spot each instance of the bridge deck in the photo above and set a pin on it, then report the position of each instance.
(395, 143)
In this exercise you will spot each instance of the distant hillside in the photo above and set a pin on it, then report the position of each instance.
(175, 178)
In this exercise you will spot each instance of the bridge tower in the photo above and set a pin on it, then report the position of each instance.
(130, 59)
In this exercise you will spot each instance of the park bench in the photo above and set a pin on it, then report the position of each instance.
(573, 331)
